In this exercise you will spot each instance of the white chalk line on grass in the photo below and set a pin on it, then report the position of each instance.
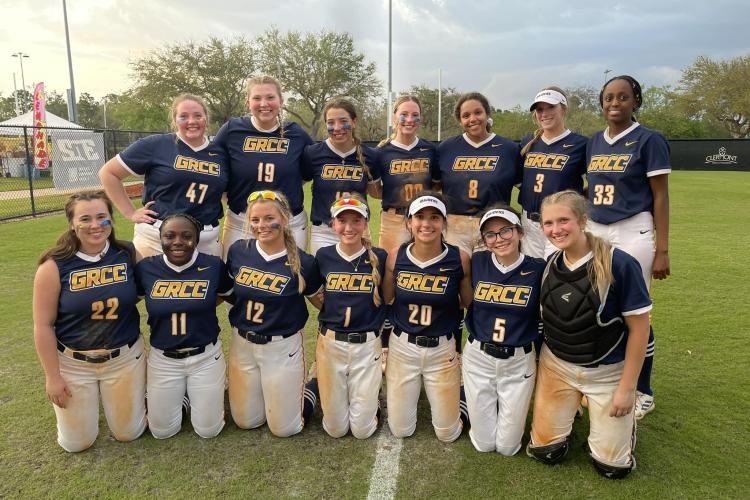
(385, 469)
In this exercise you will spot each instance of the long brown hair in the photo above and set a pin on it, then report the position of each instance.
(396, 124)
(267, 80)
(600, 272)
(292, 252)
(348, 106)
(539, 131)
(68, 243)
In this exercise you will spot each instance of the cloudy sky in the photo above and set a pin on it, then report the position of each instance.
(506, 49)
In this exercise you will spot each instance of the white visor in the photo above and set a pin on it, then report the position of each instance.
(550, 97)
(427, 201)
(503, 214)
(342, 206)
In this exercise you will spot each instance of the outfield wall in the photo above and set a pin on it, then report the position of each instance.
(710, 154)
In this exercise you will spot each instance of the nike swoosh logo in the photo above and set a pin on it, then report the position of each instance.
(528, 376)
(139, 356)
(565, 146)
(424, 149)
(644, 232)
(292, 354)
(213, 154)
(451, 360)
(445, 269)
(496, 145)
(367, 262)
(526, 273)
(376, 359)
(630, 143)
(217, 356)
(203, 268)
(286, 264)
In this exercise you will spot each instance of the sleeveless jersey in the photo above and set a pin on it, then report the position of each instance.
(427, 294)
(263, 160)
(476, 177)
(267, 300)
(618, 172)
(181, 301)
(551, 168)
(505, 309)
(406, 172)
(178, 178)
(333, 176)
(97, 301)
(348, 290)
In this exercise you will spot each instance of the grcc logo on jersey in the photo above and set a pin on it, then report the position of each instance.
(98, 276)
(179, 289)
(268, 282)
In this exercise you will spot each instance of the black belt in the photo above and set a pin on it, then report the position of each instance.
(352, 338)
(99, 358)
(501, 351)
(186, 353)
(423, 340)
(534, 216)
(259, 338)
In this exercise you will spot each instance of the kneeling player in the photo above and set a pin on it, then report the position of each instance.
(348, 350)
(499, 362)
(594, 305)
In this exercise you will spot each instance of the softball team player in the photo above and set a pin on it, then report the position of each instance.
(338, 166)
(554, 159)
(183, 174)
(594, 305)
(477, 169)
(86, 327)
(428, 282)
(349, 349)
(407, 164)
(263, 154)
(499, 362)
(628, 167)
(181, 289)
(267, 355)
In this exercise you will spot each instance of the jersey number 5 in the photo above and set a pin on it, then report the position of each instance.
(498, 333)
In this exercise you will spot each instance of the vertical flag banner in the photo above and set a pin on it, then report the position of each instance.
(41, 156)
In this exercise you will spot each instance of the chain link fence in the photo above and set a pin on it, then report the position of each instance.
(34, 181)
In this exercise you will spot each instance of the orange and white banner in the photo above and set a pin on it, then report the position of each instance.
(41, 152)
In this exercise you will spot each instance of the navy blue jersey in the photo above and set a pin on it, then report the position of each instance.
(627, 296)
(97, 301)
(618, 172)
(551, 168)
(181, 301)
(427, 294)
(178, 178)
(263, 160)
(475, 177)
(267, 300)
(348, 290)
(505, 309)
(406, 171)
(334, 176)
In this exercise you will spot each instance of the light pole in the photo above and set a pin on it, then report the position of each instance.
(21, 56)
(72, 105)
(104, 103)
(606, 72)
(390, 70)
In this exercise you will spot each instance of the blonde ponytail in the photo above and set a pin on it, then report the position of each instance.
(376, 278)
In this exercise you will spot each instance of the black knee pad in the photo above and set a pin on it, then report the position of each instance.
(551, 454)
(612, 471)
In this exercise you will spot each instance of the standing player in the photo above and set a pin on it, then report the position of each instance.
(86, 327)
(407, 165)
(183, 174)
(181, 289)
(263, 154)
(338, 166)
(627, 171)
(267, 353)
(349, 349)
(554, 159)
(594, 305)
(428, 282)
(499, 362)
(477, 169)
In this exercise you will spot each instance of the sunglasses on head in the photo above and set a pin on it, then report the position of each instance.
(266, 195)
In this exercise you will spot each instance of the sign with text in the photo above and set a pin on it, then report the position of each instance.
(77, 157)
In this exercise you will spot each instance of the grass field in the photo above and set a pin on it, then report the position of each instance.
(695, 444)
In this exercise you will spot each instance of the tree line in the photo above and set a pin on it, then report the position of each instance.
(710, 100)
